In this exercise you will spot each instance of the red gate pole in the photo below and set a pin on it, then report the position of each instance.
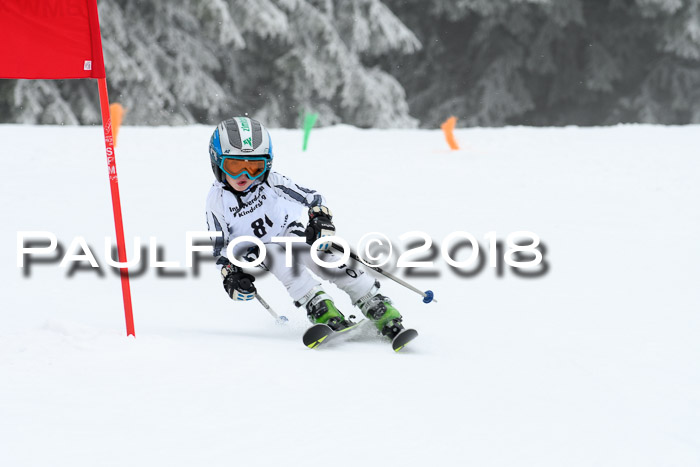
(116, 203)
(74, 51)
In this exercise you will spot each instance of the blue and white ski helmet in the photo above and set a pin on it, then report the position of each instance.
(239, 136)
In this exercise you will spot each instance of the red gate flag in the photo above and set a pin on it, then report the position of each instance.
(60, 39)
(50, 39)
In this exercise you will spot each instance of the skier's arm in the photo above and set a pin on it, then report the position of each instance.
(237, 283)
(216, 223)
(320, 224)
(289, 190)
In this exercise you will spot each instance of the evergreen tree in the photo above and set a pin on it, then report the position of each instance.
(551, 62)
(489, 62)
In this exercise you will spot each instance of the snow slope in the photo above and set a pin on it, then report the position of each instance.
(593, 363)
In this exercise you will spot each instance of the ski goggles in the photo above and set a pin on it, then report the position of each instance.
(254, 167)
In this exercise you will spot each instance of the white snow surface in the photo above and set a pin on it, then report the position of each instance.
(597, 362)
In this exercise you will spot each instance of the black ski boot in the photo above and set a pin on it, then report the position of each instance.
(386, 318)
(320, 309)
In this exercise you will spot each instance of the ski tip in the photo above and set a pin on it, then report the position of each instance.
(428, 296)
(315, 344)
(315, 335)
(282, 320)
(403, 338)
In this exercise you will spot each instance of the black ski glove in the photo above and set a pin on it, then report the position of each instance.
(320, 225)
(238, 284)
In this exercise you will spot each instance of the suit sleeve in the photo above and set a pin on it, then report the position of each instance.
(216, 222)
(289, 190)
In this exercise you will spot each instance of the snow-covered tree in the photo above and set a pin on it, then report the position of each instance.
(321, 68)
(368, 62)
(495, 62)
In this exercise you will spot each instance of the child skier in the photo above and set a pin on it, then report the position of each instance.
(248, 198)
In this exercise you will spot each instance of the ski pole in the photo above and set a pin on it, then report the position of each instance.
(247, 285)
(278, 319)
(428, 295)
